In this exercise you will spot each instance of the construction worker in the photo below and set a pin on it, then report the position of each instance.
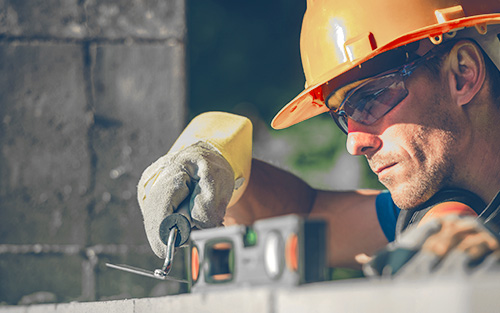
(415, 85)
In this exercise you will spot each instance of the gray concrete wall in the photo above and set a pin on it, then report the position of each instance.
(457, 295)
(91, 93)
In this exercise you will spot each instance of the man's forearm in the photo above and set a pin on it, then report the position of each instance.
(353, 226)
(271, 192)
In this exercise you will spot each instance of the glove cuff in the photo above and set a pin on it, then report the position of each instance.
(230, 135)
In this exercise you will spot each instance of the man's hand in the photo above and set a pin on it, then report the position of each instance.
(462, 235)
(197, 173)
(443, 246)
(207, 169)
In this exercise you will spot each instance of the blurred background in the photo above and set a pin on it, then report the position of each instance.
(93, 92)
(244, 57)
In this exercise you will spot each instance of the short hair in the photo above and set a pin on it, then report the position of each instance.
(492, 72)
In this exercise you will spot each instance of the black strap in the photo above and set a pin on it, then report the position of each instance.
(491, 216)
(409, 218)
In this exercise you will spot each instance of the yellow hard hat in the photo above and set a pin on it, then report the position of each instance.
(338, 36)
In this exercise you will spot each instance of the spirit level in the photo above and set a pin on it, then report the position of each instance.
(287, 250)
(280, 251)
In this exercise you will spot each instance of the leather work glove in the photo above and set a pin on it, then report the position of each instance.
(446, 246)
(207, 169)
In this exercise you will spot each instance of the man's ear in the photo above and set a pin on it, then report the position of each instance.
(466, 71)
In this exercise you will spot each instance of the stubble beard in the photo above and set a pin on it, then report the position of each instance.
(421, 183)
(420, 186)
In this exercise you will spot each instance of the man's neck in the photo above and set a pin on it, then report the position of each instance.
(483, 164)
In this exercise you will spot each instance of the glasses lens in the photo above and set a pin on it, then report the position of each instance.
(374, 98)
(370, 101)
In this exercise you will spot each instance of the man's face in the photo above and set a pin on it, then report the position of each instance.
(413, 148)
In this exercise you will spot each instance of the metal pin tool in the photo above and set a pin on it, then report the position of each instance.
(167, 265)
(174, 232)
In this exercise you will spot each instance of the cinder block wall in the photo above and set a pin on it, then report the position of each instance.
(91, 93)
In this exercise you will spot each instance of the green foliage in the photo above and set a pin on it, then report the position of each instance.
(314, 145)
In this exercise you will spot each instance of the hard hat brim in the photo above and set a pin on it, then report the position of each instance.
(305, 105)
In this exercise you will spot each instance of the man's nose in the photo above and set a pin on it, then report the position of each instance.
(360, 142)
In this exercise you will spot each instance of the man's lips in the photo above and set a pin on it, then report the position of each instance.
(382, 168)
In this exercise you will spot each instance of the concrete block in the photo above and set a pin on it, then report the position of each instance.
(44, 163)
(23, 275)
(139, 112)
(241, 300)
(13, 309)
(40, 18)
(74, 19)
(483, 294)
(448, 294)
(155, 19)
(123, 306)
(75, 307)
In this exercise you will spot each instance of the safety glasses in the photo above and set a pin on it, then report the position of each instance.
(375, 97)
